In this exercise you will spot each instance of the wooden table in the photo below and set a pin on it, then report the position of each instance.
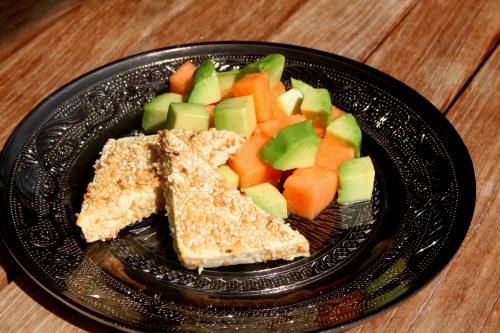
(447, 50)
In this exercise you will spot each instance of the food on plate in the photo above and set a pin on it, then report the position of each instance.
(300, 85)
(236, 153)
(181, 79)
(332, 152)
(269, 198)
(204, 86)
(292, 147)
(191, 116)
(154, 117)
(309, 190)
(228, 228)
(251, 169)
(232, 177)
(236, 114)
(289, 102)
(257, 86)
(356, 180)
(345, 129)
(226, 81)
(273, 64)
(255, 102)
(317, 106)
(126, 185)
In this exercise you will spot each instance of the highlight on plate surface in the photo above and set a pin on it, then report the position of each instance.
(228, 156)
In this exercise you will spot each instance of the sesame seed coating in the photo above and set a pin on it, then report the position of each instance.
(212, 224)
(126, 185)
(124, 169)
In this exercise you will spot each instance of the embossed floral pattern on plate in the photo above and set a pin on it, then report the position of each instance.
(366, 257)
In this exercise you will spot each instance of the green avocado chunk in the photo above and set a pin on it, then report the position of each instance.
(289, 102)
(301, 85)
(273, 64)
(356, 180)
(204, 87)
(155, 112)
(294, 146)
(226, 79)
(191, 116)
(269, 198)
(232, 177)
(346, 129)
(236, 114)
(317, 106)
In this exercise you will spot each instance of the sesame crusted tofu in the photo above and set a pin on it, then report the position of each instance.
(213, 225)
(126, 185)
(213, 145)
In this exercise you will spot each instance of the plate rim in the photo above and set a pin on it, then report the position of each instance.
(465, 171)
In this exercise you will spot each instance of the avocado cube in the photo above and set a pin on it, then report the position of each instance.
(226, 80)
(292, 147)
(346, 129)
(269, 198)
(155, 112)
(317, 106)
(289, 102)
(204, 87)
(301, 85)
(236, 114)
(192, 116)
(273, 64)
(356, 180)
(232, 177)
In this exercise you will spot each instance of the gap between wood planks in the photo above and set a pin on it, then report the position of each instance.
(471, 78)
(381, 42)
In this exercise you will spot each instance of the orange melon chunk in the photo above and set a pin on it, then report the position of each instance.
(210, 109)
(257, 85)
(270, 127)
(181, 79)
(277, 90)
(336, 112)
(320, 131)
(251, 169)
(277, 113)
(309, 191)
(331, 152)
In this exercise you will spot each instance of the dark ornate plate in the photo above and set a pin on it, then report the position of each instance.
(366, 258)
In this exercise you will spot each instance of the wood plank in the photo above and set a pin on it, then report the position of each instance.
(81, 39)
(351, 29)
(51, 42)
(463, 300)
(7, 264)
(23, 20)
(35, 310)
(250, 20)
(437, 61)
(461, 295)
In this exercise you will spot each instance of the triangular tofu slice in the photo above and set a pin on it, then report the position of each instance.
(213, 225)
(126, 184)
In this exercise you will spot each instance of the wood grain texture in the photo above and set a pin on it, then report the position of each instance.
(223, 21)
(439, 45)
(84, 36)
(464, 297)
(441, 48)
(351, 29)
(41, 312)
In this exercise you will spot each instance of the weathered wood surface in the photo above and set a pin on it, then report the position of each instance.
(446, 50)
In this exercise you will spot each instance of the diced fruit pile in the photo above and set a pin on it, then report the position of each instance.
(301, 151)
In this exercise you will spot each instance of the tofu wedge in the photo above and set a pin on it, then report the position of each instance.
(126, 185)
(213, 225)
